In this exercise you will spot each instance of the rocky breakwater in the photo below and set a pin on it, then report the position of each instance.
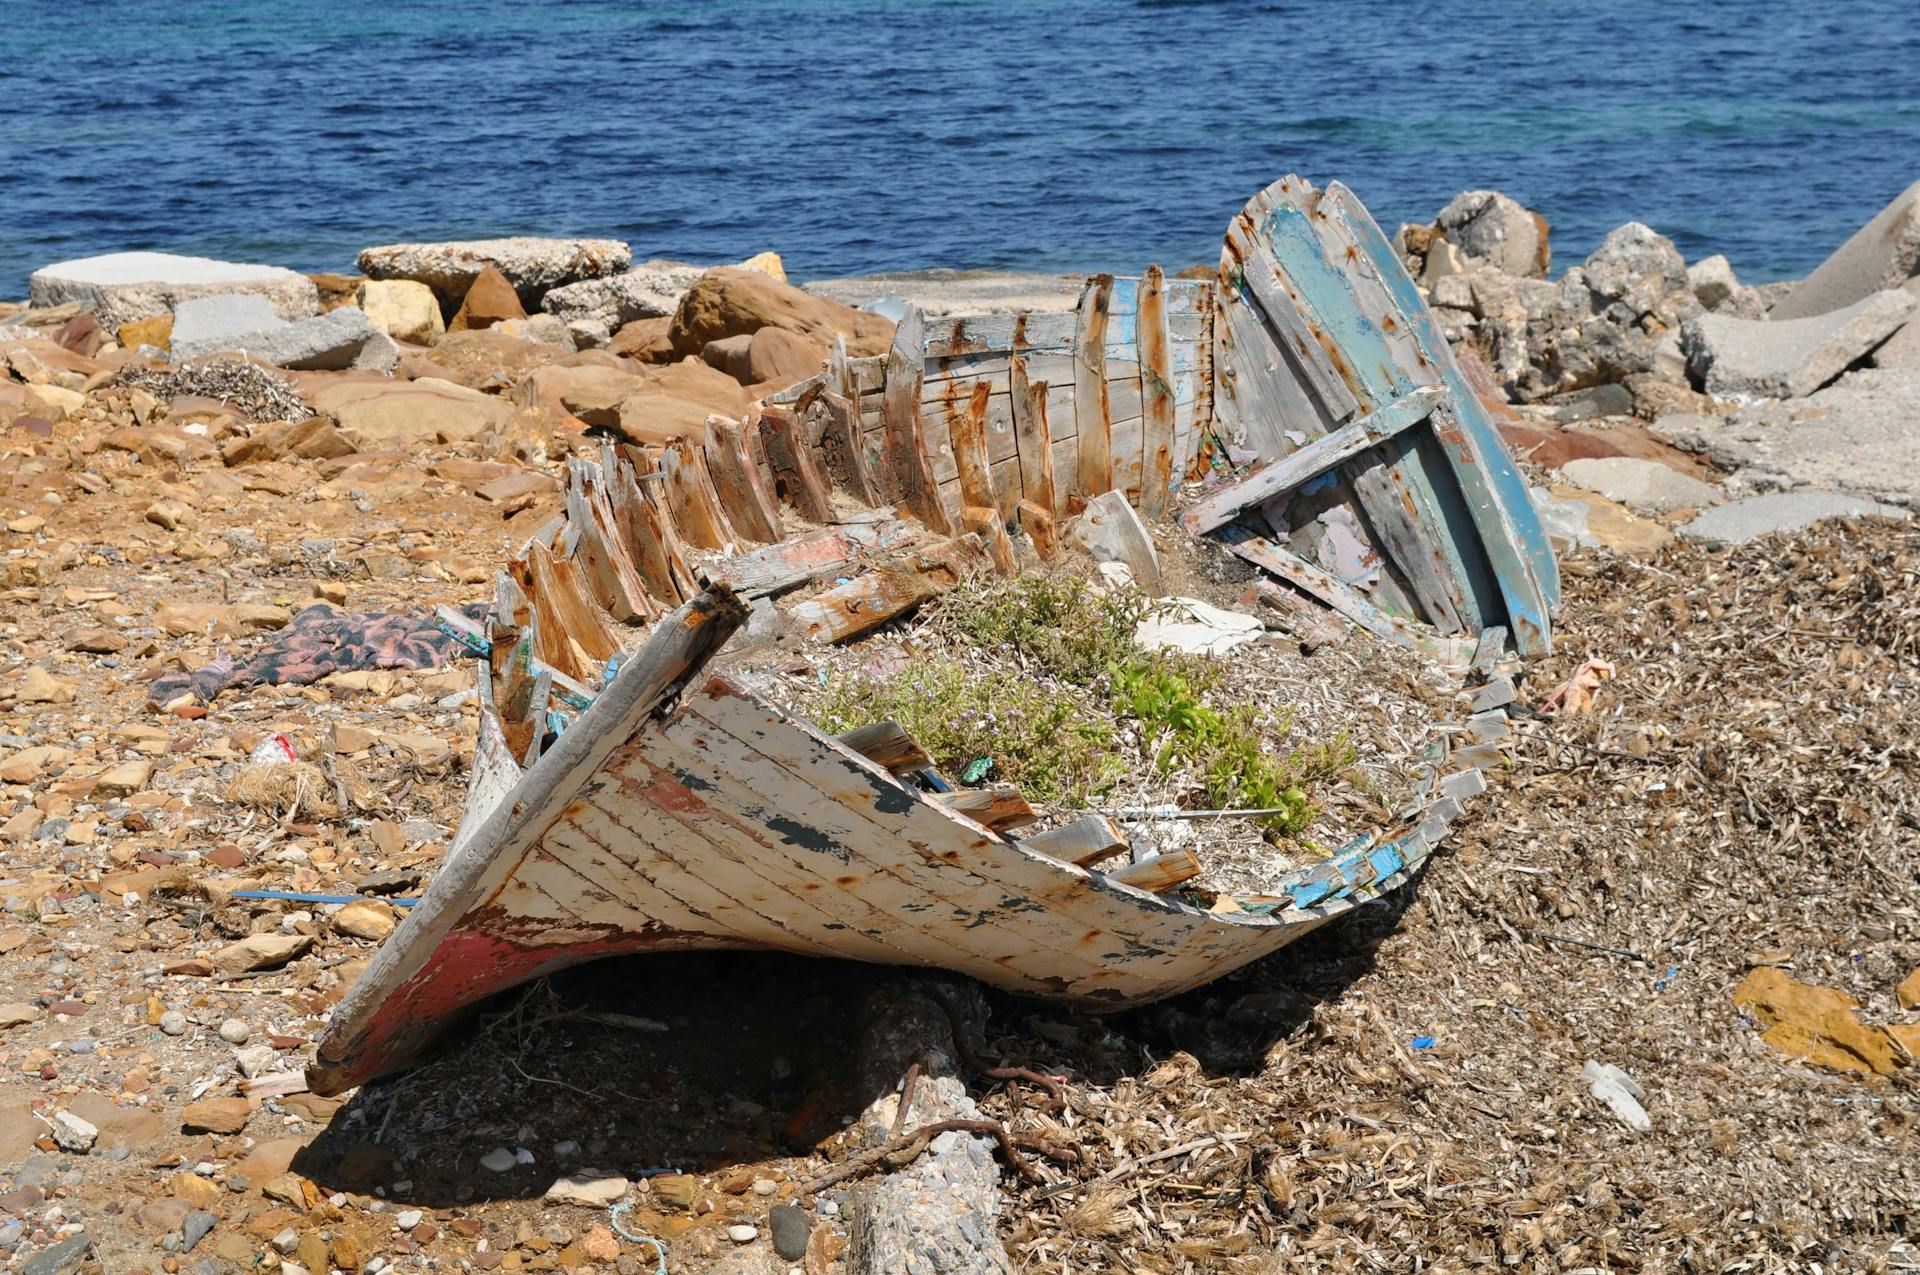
(1664, 387)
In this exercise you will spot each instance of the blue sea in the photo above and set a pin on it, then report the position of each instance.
(862, 135)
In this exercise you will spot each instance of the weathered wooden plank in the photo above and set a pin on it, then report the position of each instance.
(907, 447)
(604, 561)
(888, 745)
(749, 506)
(1156, 397)
(967, 428)
(1092, 413)
(1318, 354)
(980, 333)
(1399, 500)
(652, 537)
(789, 563)
(846, 457)
(796, 477)
(1086, 841)
(570, 635)
(1000, 807)
(1329, 588)
(991, 527)
(890, 589)
(697, 514)
(1033, 441)
(1495, 493)
(1127, 438)
(1314, 459)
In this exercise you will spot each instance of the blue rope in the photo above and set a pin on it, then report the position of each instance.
(613, 1216)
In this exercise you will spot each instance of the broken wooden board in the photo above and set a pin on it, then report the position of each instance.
(890, 589)
(791, 563)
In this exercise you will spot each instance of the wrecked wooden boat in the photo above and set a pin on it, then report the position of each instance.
(626, 799)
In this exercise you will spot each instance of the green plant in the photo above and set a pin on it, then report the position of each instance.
(1052, 745)
(1063, 624)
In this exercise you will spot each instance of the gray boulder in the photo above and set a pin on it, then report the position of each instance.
(1752, 359)
(123, 286)
(650, 290)
(1487, 226)
(533, 266)
(240, 325)
(1712, 280)
(1882, 254)
(1757, 516)
(1857, 435)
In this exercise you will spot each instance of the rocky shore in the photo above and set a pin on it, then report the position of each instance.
(194, 452)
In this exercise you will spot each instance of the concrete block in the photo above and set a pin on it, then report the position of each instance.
(533, 266)
(1884, 253)
(1757, 516)
(121, 287)
(325, 342)
(202, 324)
(1902, 349)
(1775, 358)
(1646, 486)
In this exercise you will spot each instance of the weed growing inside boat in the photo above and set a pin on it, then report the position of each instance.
(1063, 624)
(1050, 744)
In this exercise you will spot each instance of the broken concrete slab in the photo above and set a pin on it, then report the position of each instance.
(324, 342)
(203, 323)
(1756, 358)
(534, 266)
(1884, 253)
(1757, 516)
(1902, 349)
(1857, 435)
(1643, 485)
(121, 287)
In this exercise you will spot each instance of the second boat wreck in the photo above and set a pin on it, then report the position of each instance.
(625, 799)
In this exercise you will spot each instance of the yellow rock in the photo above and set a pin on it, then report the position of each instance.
(157, 331)
(1815, 1024)
(37, 686)
(128, 777)
(26, 526)
(30, 764)
(1908, 993)
(767, 263)
(404, 309)
(1617, 527)
(366, 919)
(200, 1192)
(260, 952)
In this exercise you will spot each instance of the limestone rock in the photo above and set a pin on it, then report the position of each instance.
(125, 779)
(366, 919)
(121, 287)
(33, 762)
(407, 414)
(730, 301)
(37, 686)
(533, 266)
(777, 358)
(205, 325)
(1646, 486)
(1815, 1024)
(1487, 226)
(260, 952)
(1884, 253)
(489, 300)
(590, 1188)
(1747, 358)
(404, 309)
(675, 401)
(324, 342)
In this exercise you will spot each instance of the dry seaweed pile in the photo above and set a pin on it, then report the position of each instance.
(1403, 1091)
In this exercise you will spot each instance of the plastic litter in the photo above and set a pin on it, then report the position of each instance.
(274, 750)
(1619, 1091)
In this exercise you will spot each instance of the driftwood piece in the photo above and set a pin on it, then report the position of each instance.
(749, 506)
(1086, 841)
(1093, 414)
(1038, 524)
(887, 745)
(891, 589)
(1032, 440)
(796, 477)
(1159, 872)
(791, 563)
(987, 523)
(1000, 807)
(906, 441)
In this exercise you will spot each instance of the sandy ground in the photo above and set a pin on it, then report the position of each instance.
(1400, 1091)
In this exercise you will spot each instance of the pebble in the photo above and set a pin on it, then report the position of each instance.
(235, 1032)
(195, 1228)
(407, 1219)
(764, 1186)
(741, 1233)
(791, 1229)
(829, 1208)
(498, 1160)
(173, 1023)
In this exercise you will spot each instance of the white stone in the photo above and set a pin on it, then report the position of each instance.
(1757, 516)
(123, 286)
(173, 1023)
(1488, 226)
(498, 1160)
(1111, 531)
(407, 1219)
(1712, 280)
(591, 1188)
(235, 1032)
(741, 1233)
(1646, 486)
(254, 1060)
(73, 1133)
(404, 309)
